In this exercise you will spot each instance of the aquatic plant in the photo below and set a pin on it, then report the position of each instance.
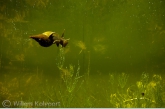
(100, 48)
(60, 58)
(70, 79)
(20, 57)
(89, 62)
(122, 80)
(71, 84)
(144, 94)
(9, 90)
(19, 17)
(81, 45)
(37, 3)
(111, 79)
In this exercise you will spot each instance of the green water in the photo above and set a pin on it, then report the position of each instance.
(116, 47)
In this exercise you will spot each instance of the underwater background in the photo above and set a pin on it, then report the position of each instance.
(115, 56)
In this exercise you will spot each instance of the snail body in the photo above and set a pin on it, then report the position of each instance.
(48, 38)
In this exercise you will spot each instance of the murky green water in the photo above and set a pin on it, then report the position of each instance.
(115, 56)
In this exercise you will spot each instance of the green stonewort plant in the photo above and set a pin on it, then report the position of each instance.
(145, 94)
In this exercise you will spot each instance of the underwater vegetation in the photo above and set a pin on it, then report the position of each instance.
(8, 90)
(18, 17)
(144, 94)
(99, 45)
(14, 19)
(37, 3)
(72, 90)
(106, 25)
(99, 48)
(75, 90)
(81, 45)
